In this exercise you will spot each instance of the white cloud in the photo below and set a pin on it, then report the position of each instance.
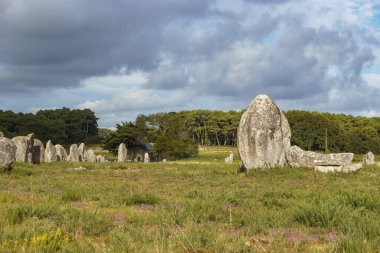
(198, 54)
(373, 80)
(113, 83)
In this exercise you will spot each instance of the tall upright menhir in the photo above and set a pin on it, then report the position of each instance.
(263, 135)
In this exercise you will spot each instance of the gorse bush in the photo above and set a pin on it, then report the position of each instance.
(47, 242)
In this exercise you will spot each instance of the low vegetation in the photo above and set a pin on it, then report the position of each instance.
(199, 204)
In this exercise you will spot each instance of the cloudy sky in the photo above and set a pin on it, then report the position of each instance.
(122, 58)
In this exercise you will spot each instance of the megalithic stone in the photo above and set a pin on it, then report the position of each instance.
(263, 135)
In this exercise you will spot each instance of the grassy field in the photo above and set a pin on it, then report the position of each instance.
(195, 205)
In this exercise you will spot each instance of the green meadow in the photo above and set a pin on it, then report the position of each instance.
(200, 204)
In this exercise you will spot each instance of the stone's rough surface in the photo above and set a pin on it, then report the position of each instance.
(29, 155)
(286, 132)
(24, 149)
(61, 153)
(352, 167)
(50, 154)
(263, 134)
(90, 156)
(342, 168)
(369, 158)
(7, 152)
(38, 154)
(146, 158)
(74, 153)
(81, 150)
(340, 162)
(122, 153)
(299, 158)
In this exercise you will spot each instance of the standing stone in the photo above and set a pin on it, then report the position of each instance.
(229, 159)
(164, 160)
(263, 135)
(38, 154)
(100, 159)
(90, 156)
(122, 153)
(369, 158)
(146, 158)
(74, 153)
(1, 134)
(7, 152)
(50, 154)
(61, 153)
(24, 149)
(81, 150)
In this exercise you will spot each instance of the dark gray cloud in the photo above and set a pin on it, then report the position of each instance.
(58, 43)
(94, 53)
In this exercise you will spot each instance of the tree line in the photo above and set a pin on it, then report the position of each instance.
(176, 134)
(63, 126)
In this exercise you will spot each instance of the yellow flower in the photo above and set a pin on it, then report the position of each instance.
(67, 238)
(365, 241)
(58, 233)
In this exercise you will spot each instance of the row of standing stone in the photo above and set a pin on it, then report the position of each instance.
(30, 150)
(58, 153)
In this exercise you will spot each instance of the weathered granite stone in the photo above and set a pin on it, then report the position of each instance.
(369, 158)
(90, 156)
(24, 149)
(74, 153)
(146, 158)
(352, 167)
(61, 153)
(342, 168)
(38, 154)
(263, 134)
(1, 134)
(81, 150)
(299, 158)
(50, 155)
(122, 153)
(7, 152)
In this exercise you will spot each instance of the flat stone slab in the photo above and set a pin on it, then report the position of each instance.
(343, 168)
(299, 158)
